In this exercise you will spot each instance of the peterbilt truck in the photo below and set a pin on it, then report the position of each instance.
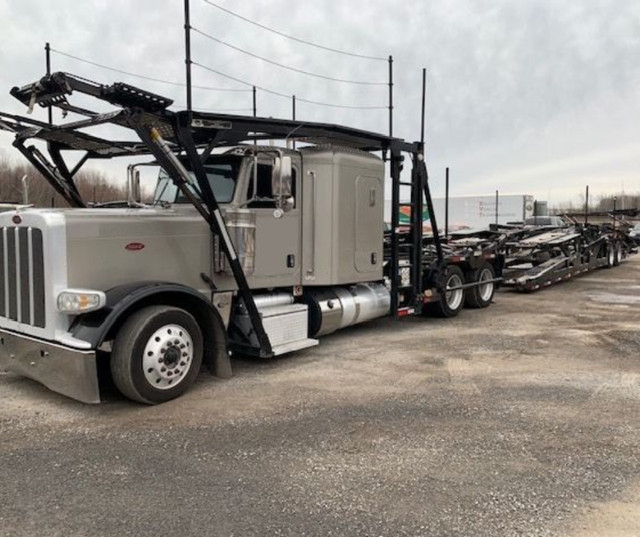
(246, 247)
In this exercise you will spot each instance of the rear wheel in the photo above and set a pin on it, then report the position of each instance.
(481, 295)
(156, 354)
(617, 254)
(611, 255)
(452, 300)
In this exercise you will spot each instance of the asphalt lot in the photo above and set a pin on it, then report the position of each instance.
(522, 419)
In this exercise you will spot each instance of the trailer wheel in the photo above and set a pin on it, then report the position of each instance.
(611, 255)
(482, 295)
(156, 354)
(617, 258)
(452, 302)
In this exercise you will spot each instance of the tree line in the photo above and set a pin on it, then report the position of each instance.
(601, 203)
(94, 186)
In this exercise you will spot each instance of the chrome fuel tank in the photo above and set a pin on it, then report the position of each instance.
(333, 308)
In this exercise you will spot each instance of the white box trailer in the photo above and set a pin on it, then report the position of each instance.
(475, 212)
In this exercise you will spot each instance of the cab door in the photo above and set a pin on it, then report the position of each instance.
(278, 234)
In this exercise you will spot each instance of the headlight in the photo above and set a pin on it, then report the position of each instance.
(80, 300)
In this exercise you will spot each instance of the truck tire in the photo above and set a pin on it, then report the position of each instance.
(611, 255)
(452, 302)
(617, 257)
(156, 354)
(482, 295)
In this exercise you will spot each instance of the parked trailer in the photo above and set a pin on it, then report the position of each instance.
(538, 256)
(246, 248)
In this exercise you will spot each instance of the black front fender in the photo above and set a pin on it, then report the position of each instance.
(102, 325)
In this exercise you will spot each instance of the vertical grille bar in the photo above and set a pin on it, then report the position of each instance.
(25, 269)
(12, 290)
(18, 290)
(38, 279)
(3, 272)
(30, 246)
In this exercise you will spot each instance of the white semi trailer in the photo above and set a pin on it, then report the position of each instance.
(475, 212)
(478, 212)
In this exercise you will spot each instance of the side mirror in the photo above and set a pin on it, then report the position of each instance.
(134, 195)
(281, 183)
(137, 195)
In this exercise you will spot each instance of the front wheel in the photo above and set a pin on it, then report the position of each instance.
(481, 295)
(156, 354)
(452, 301)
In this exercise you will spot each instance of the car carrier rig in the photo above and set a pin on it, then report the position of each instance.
(533, 257)
(247, 248)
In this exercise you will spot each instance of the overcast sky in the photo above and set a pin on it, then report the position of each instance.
(534, 97)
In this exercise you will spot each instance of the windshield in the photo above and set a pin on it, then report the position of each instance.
(222, 173)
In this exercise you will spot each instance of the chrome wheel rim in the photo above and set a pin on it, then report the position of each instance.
(167, 357)
(454, 298)
(485, 290)
(612, 255)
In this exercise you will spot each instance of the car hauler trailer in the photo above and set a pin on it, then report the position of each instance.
(533, 257)
(540, 256)
(247, 248)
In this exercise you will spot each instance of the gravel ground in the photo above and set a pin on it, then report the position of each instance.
(517, 420)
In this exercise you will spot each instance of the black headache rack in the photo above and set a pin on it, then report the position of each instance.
(165, 135)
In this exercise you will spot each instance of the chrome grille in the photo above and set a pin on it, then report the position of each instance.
(22, 275)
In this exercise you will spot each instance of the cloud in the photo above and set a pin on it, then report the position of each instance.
(535, 96)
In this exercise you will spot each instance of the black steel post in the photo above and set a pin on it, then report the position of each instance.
(216, 222)
(390, 96)
(446, 205)
(432, 213)
(497, 201)
(615, 199)
(293, 113)
(424, 100)
(394, 164)
(586, 206)
(187, 46)
(416, 230)
(47, 56)
(255, 108)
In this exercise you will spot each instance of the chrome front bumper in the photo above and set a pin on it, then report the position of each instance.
(71, 372)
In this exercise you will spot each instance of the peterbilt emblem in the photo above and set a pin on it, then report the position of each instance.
(134, 246)
(16, 219)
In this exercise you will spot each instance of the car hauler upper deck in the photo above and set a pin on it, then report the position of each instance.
(247, 248)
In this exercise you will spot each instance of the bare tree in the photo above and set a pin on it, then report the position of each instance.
(94, 186)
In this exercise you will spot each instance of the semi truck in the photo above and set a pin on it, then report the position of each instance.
(247, 247)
